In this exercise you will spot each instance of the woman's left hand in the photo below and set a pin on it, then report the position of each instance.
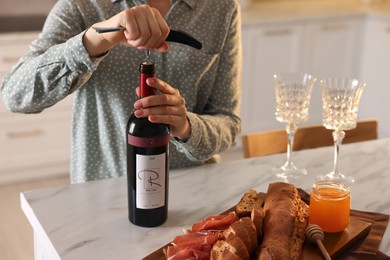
(168, 107)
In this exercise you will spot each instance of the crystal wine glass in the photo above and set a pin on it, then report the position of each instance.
(340, 102)
(293, 92)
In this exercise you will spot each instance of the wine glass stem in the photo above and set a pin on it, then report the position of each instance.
(290, 129)
(338, 137)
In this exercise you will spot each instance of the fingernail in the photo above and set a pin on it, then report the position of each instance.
(138, 113)
(138, 104)
(150, 81)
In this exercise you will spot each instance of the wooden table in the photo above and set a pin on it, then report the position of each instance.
(89, 220)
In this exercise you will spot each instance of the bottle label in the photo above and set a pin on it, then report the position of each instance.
(150, 181)
(148, 142)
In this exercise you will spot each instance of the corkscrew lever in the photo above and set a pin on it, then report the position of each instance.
(173, 36)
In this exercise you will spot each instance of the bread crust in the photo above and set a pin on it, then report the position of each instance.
(251, 229)
(231, 243)
(238, 245)
(239, 229)
(284, 224)
(257, 216)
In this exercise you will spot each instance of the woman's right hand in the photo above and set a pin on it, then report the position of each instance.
(145, 29)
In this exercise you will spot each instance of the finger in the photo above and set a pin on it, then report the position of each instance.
(162, 86)
(142, 15)
(137, 91)
(178, 125)
(158, 101)
(145, 28)
(128, 20)
(162, 29)
(155, 33)
(164, 47)
(161, 111)
(171, 120)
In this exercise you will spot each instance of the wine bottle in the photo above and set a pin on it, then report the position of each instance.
(147, 163)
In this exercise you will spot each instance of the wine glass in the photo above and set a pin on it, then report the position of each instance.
(293, 92)
(340, 102)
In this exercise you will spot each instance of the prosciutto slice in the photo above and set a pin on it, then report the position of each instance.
(189, 253)
(197, 243)
(217, 222)
(196, 239)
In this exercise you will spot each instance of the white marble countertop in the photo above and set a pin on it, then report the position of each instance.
(89, 221)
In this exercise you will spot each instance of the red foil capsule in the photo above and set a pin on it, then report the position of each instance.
(147, 70)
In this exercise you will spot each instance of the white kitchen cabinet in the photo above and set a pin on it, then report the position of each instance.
(322, 47)
(375, 71)
(333, 50)
(31, 145)
(333, 47)
(266, 50)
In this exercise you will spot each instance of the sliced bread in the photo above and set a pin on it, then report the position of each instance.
(252, 232)
(241, 231)
(257, 216)
(233, 244)
(248, 201)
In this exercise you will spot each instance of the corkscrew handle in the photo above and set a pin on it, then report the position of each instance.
(184, 38)
(173, 36)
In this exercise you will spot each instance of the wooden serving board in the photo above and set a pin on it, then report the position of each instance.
(335, 244)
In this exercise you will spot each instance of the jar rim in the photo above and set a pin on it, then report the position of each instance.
(319, 187)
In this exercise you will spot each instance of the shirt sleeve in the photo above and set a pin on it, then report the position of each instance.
(56, 65)
(217, 128)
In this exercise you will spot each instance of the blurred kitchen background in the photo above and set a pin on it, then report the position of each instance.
(30, 155)
(323, 37)
(23, 15)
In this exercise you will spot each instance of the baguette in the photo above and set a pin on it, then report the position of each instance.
(285, 221)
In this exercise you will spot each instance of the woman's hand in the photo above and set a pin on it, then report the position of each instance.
(145, 28)
(165, 108)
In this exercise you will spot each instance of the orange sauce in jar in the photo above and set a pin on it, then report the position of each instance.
(330, 203)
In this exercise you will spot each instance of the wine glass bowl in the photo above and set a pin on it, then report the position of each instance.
(292, 92)
(340, 102)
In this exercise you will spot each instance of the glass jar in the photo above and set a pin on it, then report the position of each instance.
(330, 204)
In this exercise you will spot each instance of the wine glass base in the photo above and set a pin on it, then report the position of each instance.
(336, 177)
(289, 172)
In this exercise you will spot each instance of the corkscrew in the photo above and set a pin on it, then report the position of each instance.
(173, 36)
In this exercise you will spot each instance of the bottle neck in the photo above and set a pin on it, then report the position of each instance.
(145, 89)
(147, 70)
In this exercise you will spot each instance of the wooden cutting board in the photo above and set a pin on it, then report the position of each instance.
(335, 244)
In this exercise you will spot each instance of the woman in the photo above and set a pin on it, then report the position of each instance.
(199, 90)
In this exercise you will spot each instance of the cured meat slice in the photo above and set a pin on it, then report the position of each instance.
(201, 238)
(217, 222)
(189, 253)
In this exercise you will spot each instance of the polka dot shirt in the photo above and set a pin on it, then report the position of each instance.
(104, 88)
